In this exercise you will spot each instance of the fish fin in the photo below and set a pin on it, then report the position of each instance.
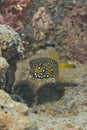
(59, 76)
(66, 65)
(54, 55)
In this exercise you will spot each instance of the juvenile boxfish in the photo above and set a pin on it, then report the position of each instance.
(46, 67)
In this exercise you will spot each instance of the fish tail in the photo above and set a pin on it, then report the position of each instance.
(66, 65)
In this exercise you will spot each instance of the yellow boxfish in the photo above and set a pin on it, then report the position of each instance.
(46, 67)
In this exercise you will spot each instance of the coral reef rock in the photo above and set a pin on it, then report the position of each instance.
(3, 68)
(10, 43)
(13, 115)
(75, 24)
(68, 113)
(41, 23)
(3, 64)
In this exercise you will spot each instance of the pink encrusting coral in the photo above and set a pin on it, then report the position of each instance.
(12, 13)
(75, 27)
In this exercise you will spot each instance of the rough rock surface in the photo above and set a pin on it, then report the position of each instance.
(13, 115)
(3, 68)
(41, 22)
(3, 64)
(10, 42)
(74, 25)
(60, 105)
(69, 113)
(12, 49)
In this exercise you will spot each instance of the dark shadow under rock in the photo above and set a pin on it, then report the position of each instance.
(51, 92)
(24, 90)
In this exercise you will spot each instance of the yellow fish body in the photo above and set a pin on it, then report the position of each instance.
(46, 67)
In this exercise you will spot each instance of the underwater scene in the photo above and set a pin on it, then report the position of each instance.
(43, 65)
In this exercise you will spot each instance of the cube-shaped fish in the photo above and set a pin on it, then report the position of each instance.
(44, 67)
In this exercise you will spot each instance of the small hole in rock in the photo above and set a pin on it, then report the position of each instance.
(2, 107)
